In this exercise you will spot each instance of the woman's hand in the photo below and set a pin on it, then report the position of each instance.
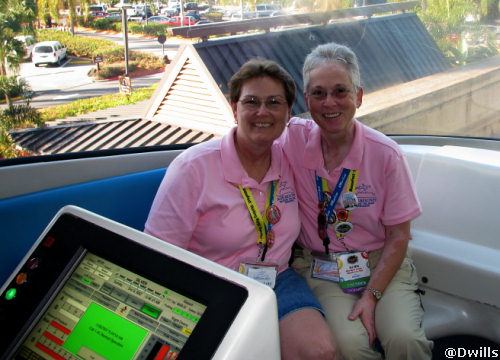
(393, 253)
(364, 308)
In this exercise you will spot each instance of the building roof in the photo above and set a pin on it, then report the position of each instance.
(104, 135)
(391, 50)
(188, 96)
(190, 103)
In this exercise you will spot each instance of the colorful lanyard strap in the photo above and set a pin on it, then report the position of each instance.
(263, 224)
(328, 210)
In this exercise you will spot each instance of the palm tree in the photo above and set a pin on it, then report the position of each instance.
(48, 10)
(14, 20)
(72, 16)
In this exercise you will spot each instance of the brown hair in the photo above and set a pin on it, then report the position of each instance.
(261, 67)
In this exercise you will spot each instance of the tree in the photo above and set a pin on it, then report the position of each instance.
(15, 116)
(50, 10)
(492, 12)
(15, 19)
(457, 25)
(455, 11)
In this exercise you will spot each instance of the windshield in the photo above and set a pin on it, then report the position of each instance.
(425, 71)
(43, 49)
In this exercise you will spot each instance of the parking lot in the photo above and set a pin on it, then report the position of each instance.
(72, 72)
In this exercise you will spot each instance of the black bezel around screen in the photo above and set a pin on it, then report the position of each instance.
(74, 236)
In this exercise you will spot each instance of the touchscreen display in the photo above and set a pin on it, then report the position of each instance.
(104, 311)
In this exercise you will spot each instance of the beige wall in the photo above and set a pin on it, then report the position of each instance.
(462, 101)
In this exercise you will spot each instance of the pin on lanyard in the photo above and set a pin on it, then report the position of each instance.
(347, 175)
(321, 185)
(262, 225)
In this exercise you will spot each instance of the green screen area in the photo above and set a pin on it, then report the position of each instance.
(106, 334)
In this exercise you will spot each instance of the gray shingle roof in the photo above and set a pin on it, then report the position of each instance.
(104, 135)
(391, 50)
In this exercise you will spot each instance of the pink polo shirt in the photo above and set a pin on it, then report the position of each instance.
(384, 187)
(199, 206)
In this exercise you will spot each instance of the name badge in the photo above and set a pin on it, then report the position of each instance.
(354, 272)
(264, 273)
(324, 267)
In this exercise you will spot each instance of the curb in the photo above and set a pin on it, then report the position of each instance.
(79, 28)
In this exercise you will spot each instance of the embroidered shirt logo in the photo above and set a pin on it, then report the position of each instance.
(366, 195)
(286, 193)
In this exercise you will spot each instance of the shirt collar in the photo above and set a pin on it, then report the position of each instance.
(234, 171)
(313, 156)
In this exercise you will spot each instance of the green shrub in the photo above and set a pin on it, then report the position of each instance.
(146, 61)
(20, 116)
(214, 16)
(14, 86)
(112, 54)
(149, 29)
(7, 145)
(83, 20)
(108, 71)
(101, 24)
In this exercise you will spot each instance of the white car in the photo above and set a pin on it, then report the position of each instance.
(48, 52)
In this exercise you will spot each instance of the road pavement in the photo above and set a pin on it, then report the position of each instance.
(70, 82)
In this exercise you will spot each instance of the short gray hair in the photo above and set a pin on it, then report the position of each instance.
(330, 52)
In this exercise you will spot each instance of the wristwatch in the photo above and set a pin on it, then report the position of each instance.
(376, 293)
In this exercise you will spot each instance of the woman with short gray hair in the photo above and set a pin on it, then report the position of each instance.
(357, 199)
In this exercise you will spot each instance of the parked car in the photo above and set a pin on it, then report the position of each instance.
(29, 43)
(246, 15)
(98, 11)
(143, 11)
(204, 21)
(159, 19)
(171, 11)
(194, 15)
(176, 21)
(134, 18)
(264, 10)
(48, 52)
(203, 8)
(173, 3)
(114, 16)
(191, 6)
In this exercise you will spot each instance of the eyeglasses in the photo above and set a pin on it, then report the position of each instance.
(338, 93)
(271, 103)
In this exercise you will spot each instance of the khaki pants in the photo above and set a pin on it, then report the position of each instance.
(398, 315)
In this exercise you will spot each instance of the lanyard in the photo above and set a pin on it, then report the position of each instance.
(262, 225)
(347, 175)
(322, 187)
